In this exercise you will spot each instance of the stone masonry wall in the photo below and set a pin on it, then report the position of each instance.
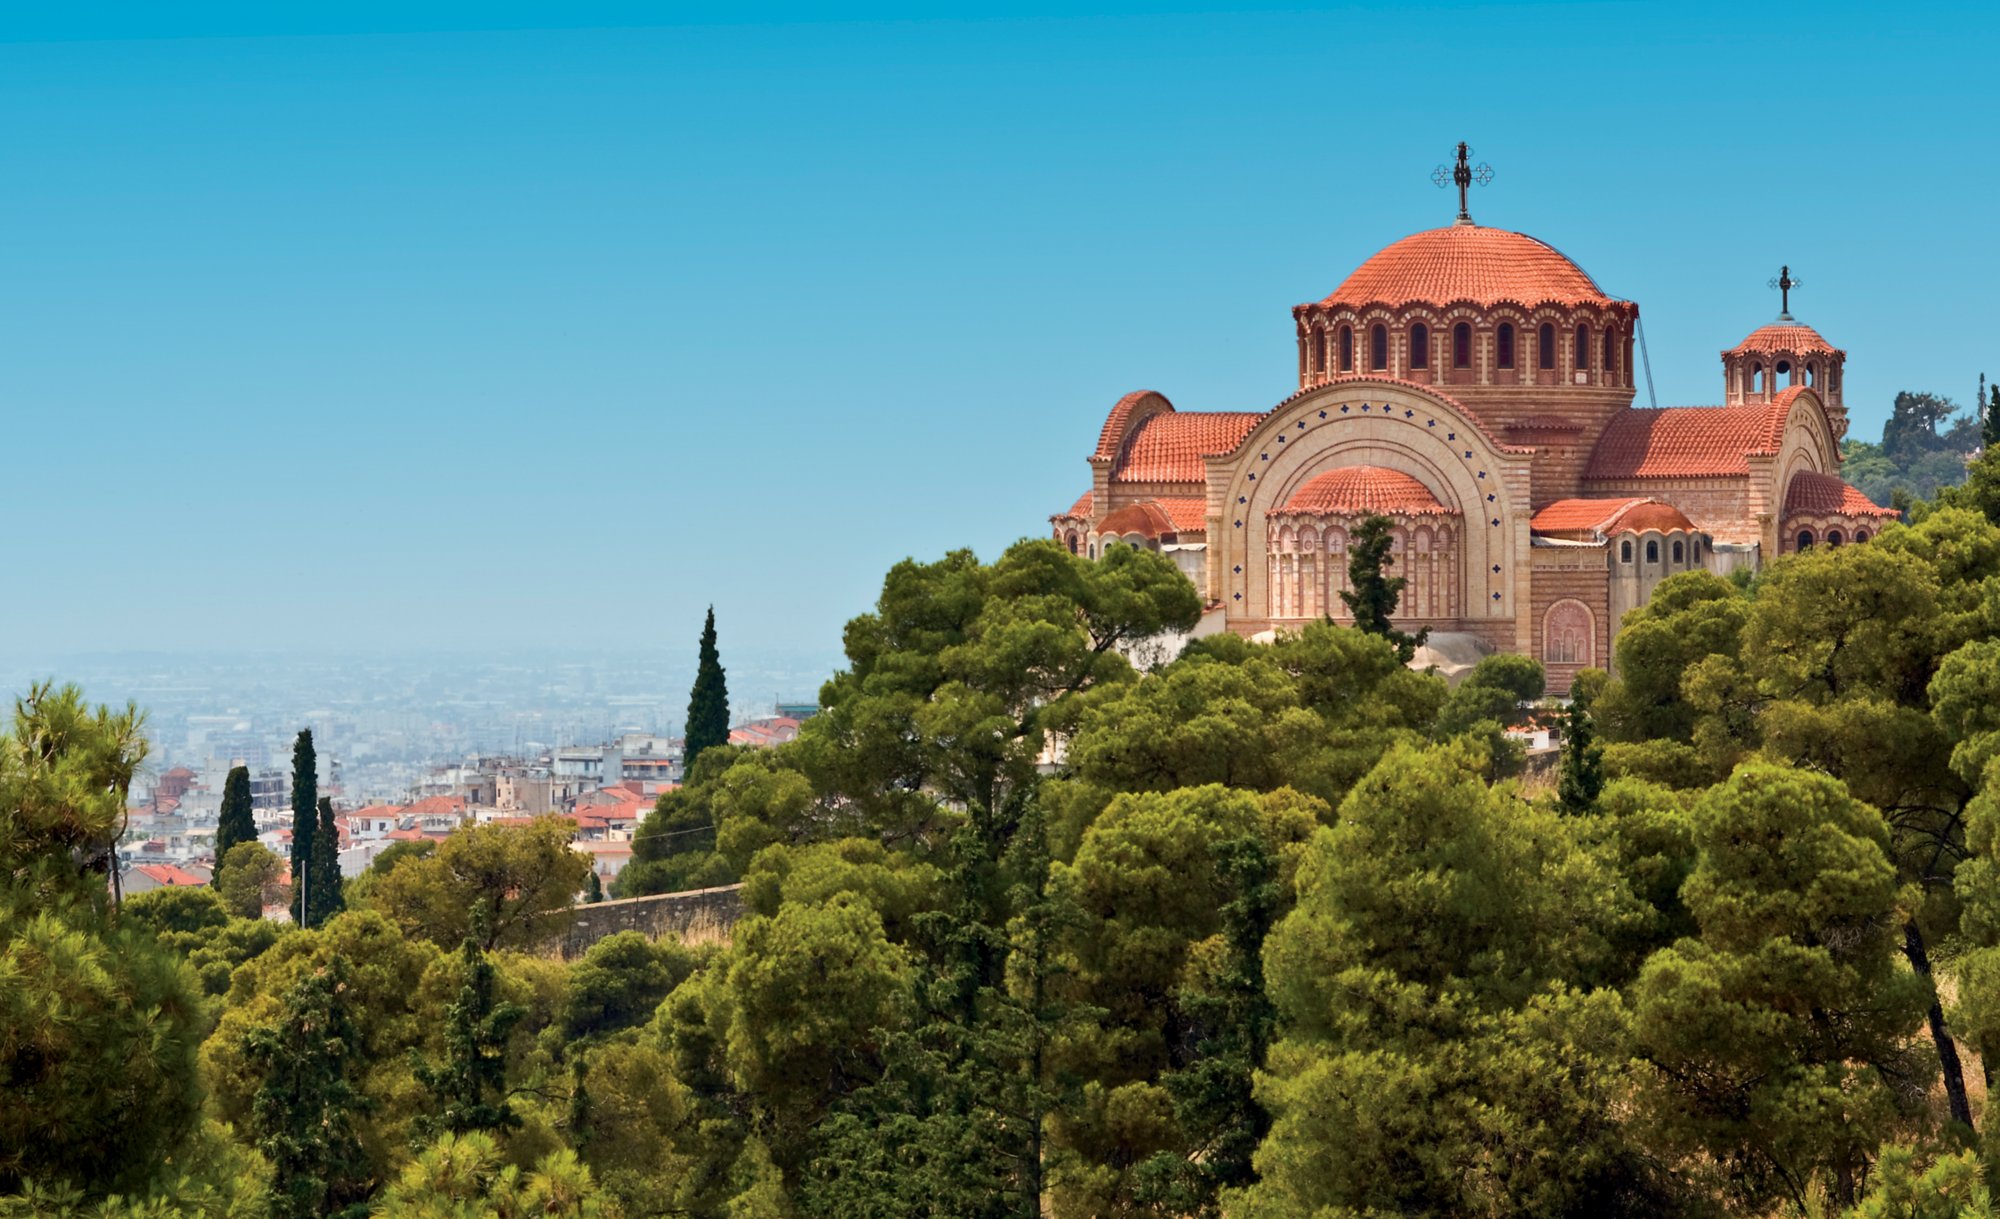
(712, 911)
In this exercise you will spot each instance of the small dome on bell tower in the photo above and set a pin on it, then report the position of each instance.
(1785, 353)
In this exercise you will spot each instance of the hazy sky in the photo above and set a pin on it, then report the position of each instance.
(411, 326)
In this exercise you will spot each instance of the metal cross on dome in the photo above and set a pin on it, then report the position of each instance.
(1464, 174)
(1784, 284)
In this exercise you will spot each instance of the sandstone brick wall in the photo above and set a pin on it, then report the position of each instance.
(1579, 575)
(699, 910)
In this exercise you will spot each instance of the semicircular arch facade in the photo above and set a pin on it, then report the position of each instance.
(1398, 427)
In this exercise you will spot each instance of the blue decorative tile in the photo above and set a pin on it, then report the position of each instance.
(1239, 524)
(1239, 569)
(1482, 474)
(1322, 414)
(1496, 596)
(1239, 596)
(1244, 499)
(1263, 457)
(1344, 408)
(1496, 569)
(1431, 423)
(1496, 522)
(1468, 454)
(1489, 497)
(1451, 435)
(1409, 414)
(1302, 423)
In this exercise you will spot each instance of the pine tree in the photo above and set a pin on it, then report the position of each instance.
(305, 812)
(235, 824)
(325, 893)
(1582, 779)
(1375, 594)
(303, 1112)
(468, 1087)
(708, 704)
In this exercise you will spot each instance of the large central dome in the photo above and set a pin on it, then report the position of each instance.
(1471, 263)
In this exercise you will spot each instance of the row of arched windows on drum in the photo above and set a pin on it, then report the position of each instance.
(1506, 348)
(1308, 572)
(1758, 381)
(1807, 539)
(1678, 548)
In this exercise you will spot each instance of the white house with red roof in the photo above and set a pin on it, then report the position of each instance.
(1475, 386)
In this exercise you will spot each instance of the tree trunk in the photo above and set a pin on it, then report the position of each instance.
(1947, 1049)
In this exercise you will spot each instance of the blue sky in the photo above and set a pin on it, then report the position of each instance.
(419, 326)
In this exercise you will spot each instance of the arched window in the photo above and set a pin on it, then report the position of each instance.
(1093, 550)
(1420, 346)
(1461, 346)
(1568, 634)
(1610, 351)
(1756, 378)
(1805, 539)
(1652, 551)
(1582, 348)
(1812, 375)
(1378, 348)
(1833, 537)
(1347, 349)
(1072, 543)
(1677, 552)
(1318, 359)
(1545, 347)
(1785, 370)
(1624, 552)
(1504, 345)
(1860, 535)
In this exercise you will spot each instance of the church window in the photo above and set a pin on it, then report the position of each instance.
(1860, 535)
(1624, 552)
(1545, 347)
(1420, 346)
(1812, 375)
(1505, 345)
(1378, 348)
(1652, 552)
(1461, 346)
(1610, 351)
(1677, 552)
(1347, 349)
(1756, 378)
(1833, 537)
(1072, 543)
(1805, 539)
(1582, 348)
(1318, 354)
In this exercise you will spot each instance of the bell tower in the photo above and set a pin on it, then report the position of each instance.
(1785, 353)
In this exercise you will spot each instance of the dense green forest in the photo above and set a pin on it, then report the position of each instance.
(1925, 447)
(1261, 931)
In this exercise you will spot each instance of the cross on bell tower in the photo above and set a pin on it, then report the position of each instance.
(1463, 175)
(1784, 284)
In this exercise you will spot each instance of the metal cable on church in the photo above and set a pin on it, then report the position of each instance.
(1639, 325)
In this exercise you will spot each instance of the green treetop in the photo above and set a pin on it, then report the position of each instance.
(305, 816)
(708, 703)
(234, 824)
(325, 887)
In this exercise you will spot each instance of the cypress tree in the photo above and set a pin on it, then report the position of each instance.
(1582, 779)
(235, 824)
(325, 893)
(1374, 594)
(305, 813)
(708, 704)
(1991, 435)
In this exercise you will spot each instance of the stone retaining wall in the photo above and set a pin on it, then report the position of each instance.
(695, 911)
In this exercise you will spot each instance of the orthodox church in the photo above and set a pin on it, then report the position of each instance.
(1475, 386)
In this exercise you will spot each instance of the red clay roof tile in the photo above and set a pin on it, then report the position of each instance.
(1468, 262)
(1826, 495)
(1784, 336)
(1168, 447)
(1363, 489)
(1680, 442)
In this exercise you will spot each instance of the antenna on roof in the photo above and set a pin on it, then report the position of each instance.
(1784, 284)
(1463, 175)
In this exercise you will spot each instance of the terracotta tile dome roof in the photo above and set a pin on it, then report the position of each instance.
(1826, 495)
(1159, 518)
(1365, 489)
(1469, 262)
(1784, 336)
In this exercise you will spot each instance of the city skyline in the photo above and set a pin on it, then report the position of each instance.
(375, 331)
